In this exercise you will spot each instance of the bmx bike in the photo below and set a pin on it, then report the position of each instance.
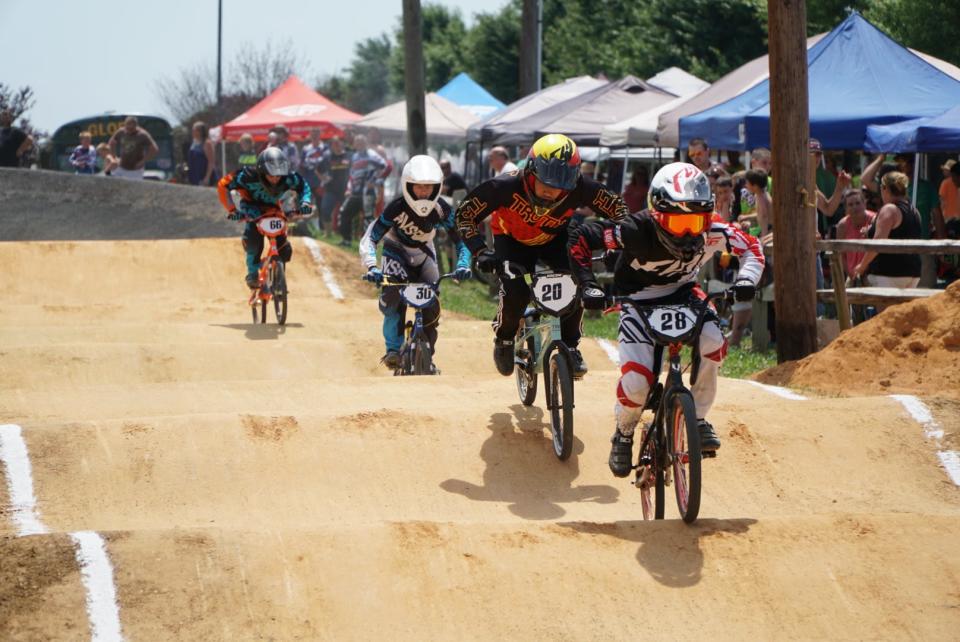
(416, 357)
(670, 451)
(540, 348)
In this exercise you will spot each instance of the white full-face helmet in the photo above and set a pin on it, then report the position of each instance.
(421, 170)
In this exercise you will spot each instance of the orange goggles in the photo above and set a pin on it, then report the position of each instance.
(685, 224)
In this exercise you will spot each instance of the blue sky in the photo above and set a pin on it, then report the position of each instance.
(84, 58)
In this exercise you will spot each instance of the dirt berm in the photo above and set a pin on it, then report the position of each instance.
(39, 205)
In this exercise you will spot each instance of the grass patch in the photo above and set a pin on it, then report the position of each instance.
(473, 299)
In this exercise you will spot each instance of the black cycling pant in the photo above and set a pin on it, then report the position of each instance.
(252, 241)
(515, 293)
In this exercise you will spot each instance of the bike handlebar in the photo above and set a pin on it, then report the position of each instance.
(387, 281)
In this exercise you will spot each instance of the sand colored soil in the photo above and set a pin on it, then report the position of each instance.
(254, 482)
(908, 348)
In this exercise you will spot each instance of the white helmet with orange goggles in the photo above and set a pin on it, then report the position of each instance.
(681, 203)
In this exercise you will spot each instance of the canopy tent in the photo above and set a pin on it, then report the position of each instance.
(445, 121)
(465, 92)
(583, 117)
(294, 105)
(857, 76)
(491, 130)
(678, 82)
(640, 130)
(936, 134)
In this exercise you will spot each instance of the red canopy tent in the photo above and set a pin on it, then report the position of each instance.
(295, 105)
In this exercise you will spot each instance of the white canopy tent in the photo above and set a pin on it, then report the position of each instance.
(678, 82)
(446, 122)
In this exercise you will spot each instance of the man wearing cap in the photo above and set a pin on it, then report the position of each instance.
(946, 218)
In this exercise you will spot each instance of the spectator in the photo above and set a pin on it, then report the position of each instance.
(947, 217)
(452, 181)
(334, 170)
(854, 226)
(248, 155)
(84, 156)
(756, 185)
(699, 154)
(733, 164)
(108, 160)
(367, 168)
(723, 198)
(373, 138)
(761, 158)
(284, 143)
(134, 146)
(897, 219)
(201, 157)
(312, 153)
(499, 161)
(14, 142)
(927, 196)
(635, 194)
(272, 140)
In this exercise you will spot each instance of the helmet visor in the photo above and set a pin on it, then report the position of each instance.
(277, 166)
(684, 224)
(556, 173)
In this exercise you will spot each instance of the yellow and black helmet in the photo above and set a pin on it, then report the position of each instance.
(555, 161)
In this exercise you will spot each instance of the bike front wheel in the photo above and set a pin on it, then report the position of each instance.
(422, 360)
(527, 374)
(278, 287)
(561, 404)
(683, 441)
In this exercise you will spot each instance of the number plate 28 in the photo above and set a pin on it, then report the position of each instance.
(672, 321)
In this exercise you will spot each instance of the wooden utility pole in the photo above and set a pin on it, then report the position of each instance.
(530, 47)
(794, 209)
(413, 77)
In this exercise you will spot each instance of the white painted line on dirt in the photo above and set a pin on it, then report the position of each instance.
(777, 390)
(949, 459)
(97, 573)
(325, 272)
(16, 461)
(611, 349)
(95, 568)
(919, 411)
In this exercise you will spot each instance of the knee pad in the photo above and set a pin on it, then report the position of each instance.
(635, 382)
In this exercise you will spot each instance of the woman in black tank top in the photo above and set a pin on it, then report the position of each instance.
(897, 219)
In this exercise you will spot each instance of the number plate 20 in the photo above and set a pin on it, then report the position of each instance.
(554, 292)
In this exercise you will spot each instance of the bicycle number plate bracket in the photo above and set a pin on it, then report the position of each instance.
(418, 294)
(272, 225)
(554, 292)
(673, 321)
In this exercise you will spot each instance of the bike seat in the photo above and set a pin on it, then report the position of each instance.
(532, 314)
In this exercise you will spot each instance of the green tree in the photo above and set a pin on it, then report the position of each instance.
(443, 34)
(924, 25)
(492, 51)
(368, 78)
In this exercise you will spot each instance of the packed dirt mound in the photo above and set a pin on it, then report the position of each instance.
(912, 347)
(38, 205)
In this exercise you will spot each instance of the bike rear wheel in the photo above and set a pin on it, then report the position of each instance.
(278, 283)
(422, 360)
(527, 375)
(561, 404)
(683, 440)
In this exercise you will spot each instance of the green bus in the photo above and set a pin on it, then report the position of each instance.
(102, 127)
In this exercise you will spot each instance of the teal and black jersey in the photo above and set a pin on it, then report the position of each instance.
(255, 196)
(400, 224)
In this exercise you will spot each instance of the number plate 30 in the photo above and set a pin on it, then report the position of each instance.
(418, 294)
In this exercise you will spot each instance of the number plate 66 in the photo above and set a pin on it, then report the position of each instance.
(272, 225)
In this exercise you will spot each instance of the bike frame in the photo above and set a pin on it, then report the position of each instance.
(273, 254)
(413, 330)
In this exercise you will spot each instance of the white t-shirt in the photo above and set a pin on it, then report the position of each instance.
(507, 167)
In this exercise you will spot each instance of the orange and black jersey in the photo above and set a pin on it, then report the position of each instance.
(504, 199)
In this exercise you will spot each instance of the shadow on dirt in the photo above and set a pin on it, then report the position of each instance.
(669, 550)
(522, 469)
(259, 331)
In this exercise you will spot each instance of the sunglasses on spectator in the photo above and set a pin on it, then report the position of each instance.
(685, 224)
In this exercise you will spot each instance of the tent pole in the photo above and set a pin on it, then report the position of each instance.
(916, 177)
(626, 166)
(223, 155)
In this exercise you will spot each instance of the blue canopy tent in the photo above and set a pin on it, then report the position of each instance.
(464, 91)
(937, 134)
(858, 76)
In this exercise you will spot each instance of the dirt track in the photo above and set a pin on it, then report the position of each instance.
(263, 483)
